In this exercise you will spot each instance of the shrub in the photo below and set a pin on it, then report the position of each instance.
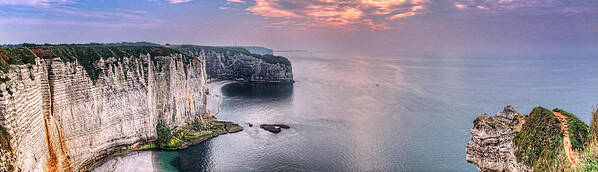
(273, 59)
(15, 56)
(4, 138)
(164, 133)
(594, 127)
(231, 51)
(148, 146)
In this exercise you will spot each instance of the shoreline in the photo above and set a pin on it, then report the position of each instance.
(215, 96)
(142, 159)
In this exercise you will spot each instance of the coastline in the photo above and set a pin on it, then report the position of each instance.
(133, 161)
(215, 95)
(136, 158)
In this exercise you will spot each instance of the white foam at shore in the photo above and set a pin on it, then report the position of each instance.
(132, 162)
(215, 96)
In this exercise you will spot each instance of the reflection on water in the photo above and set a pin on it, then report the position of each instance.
(356, 113)
(258, 90)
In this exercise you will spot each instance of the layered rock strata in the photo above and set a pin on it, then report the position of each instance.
(59, 119)
(237, 64)
(491, 146)
(64, 107)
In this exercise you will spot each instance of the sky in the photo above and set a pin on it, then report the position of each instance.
(367, 26)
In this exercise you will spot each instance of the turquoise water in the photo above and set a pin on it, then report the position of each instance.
(360, 113)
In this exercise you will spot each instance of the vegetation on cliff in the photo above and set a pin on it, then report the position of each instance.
(231, 51)
(589, 157)
(578, 130)
(16, 56)
(273, 59)
(540, 141)
(86, 55)
(197, 132)
(552, 140)
(4, 139)
(173, 138)
(594, 127)
(6, 152)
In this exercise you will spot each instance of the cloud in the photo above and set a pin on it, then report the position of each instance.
(178, 1)
(235, 1)
(352, 14)
(31, 2)
(529, 6)
(171, 1)
(271, 9)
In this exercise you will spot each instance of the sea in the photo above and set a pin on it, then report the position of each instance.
(351, 112)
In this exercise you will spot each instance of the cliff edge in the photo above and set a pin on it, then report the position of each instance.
(238, 64)
(544, 140)
(63, 107)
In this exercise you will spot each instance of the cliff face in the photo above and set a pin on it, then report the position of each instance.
(544, 140)
(241, 65)
(58, 118)
(491, 146)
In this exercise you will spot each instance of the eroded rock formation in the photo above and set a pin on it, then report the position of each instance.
(64, 107)
(491, 146)
(240, 65)
(58, 118)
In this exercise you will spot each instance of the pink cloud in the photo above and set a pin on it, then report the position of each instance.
(370, 14)
(269, 9)
(171, 1)
(530, 6)
(178, 1)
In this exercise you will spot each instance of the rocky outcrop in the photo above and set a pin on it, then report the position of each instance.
(258, 50)
(491, 146)
(238, 64)
(64, 107)
(274, 128)
(59, 118)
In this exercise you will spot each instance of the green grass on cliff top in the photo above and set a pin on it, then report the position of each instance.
(228, 51)
(594, 127)
(589, 157)
(171, 139)
(18, 56)
(578, 130)
(85, 54)
(88, 54)
(540, 142)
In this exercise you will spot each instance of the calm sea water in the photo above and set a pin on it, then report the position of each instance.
(359, 113)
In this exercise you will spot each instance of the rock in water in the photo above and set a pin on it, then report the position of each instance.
(275, 128)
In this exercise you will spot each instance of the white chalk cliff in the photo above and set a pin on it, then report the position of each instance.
(56, 117)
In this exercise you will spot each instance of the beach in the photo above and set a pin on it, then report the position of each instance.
(142, 161)
(215, 95)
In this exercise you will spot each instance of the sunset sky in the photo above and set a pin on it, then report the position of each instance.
(319, 25)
